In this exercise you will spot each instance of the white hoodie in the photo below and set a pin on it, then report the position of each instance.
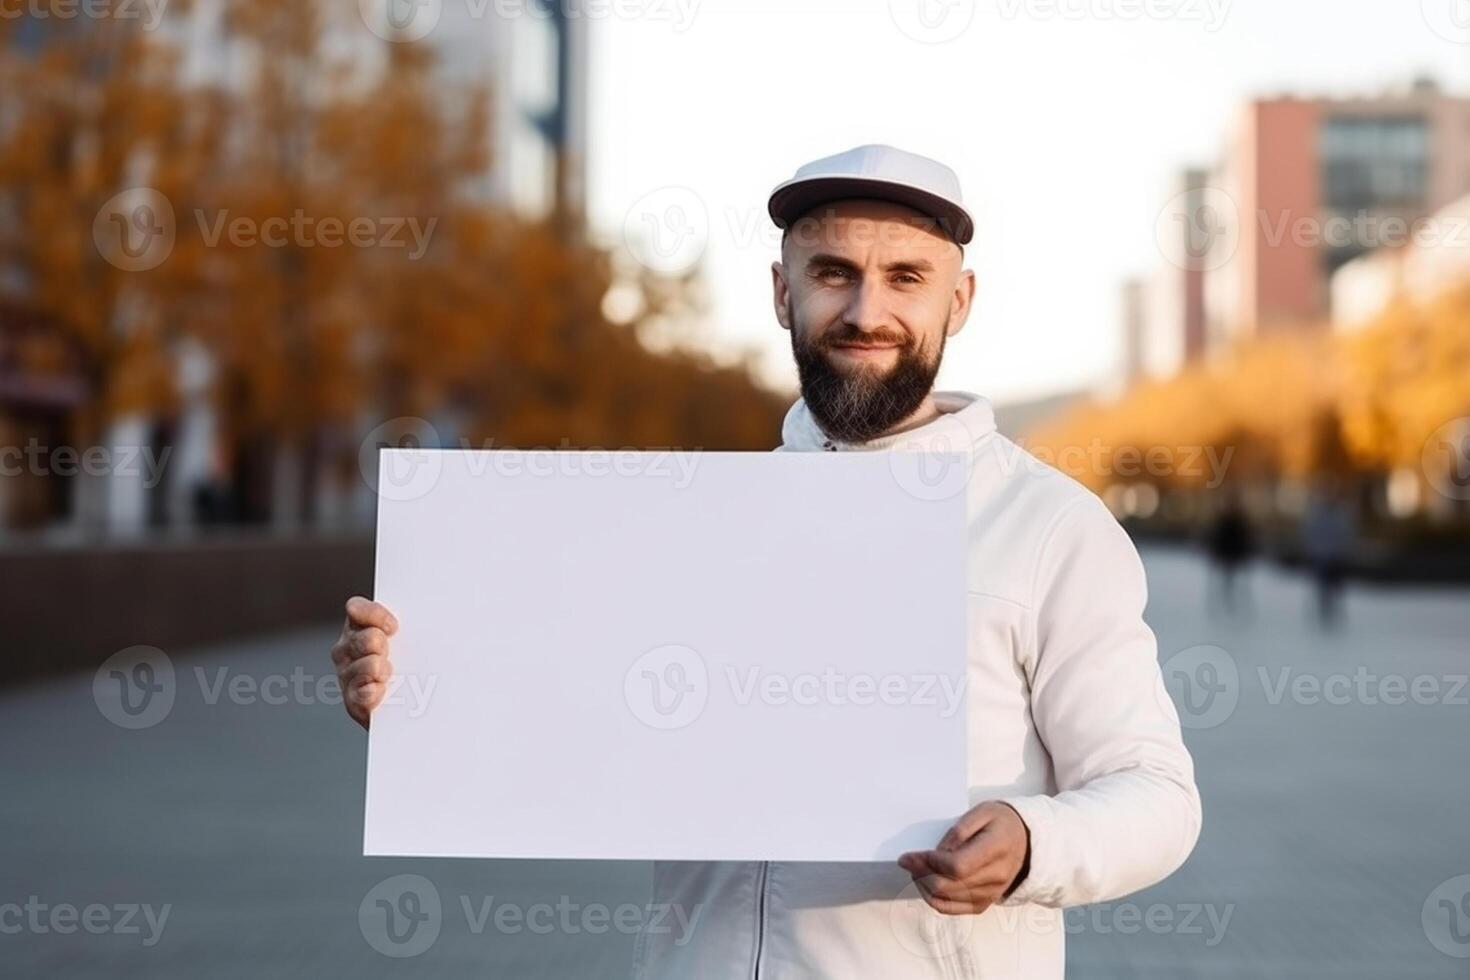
(1069, 723)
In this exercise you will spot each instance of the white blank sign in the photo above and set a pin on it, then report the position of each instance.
(681, 656)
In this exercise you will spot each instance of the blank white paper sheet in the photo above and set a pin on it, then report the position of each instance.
(676, 656)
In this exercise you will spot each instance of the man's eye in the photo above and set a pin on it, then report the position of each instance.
(835, 273)
(907, 278)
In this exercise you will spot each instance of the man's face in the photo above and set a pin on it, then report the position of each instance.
(870, 292)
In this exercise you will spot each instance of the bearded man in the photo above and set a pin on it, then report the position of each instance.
(1081, 786)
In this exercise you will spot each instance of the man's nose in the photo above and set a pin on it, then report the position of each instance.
(867, 308)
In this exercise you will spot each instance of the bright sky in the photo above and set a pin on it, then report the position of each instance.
(1065, 120)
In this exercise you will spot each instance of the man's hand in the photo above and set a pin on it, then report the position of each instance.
(361, 657)
(975, 864)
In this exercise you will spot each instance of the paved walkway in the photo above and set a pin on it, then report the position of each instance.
(1328, 825)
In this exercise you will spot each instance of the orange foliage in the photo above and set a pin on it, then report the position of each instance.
(1294, 405)
(495, 318)
(1407, 376)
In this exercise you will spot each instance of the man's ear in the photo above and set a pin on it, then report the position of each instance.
(781, 295)
(962, 302)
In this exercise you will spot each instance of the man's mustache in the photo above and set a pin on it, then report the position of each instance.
(856, 335)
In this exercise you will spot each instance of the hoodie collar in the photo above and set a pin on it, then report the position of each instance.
(965, 419)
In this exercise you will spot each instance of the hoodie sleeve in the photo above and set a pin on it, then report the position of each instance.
(1127, 812)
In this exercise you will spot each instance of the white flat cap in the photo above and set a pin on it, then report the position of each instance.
(878, 172)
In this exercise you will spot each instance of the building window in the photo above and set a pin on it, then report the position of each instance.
(1374, 162)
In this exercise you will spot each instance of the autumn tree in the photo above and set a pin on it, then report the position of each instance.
(451, 307)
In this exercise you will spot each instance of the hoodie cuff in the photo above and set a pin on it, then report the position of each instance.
(1039, 885)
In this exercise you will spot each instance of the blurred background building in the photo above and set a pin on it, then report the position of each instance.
(1367, 164)
(1303, 186)
(1309, 316)
(492, 133)
(1429, 264)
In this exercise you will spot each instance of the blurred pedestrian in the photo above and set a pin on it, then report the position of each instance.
(1230, 542)
(1328, 531)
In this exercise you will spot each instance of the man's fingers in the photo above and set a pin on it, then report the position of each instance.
(920, 863)
(960, 864)
(951, 897)
(366, 694)
(342, 650)
(968, 826)
(361, 657)
(365, 612)
(368, 642)
(356, 644)
(984, 889)
(970, 863)
(369, 669)
(364, 683)
(361, 699)
(967, 904)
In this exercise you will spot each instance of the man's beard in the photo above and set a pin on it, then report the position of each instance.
(862, 404)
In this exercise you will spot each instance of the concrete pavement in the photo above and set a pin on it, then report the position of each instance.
(1333, 769)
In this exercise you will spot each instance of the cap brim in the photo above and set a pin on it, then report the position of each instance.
(799, 197)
